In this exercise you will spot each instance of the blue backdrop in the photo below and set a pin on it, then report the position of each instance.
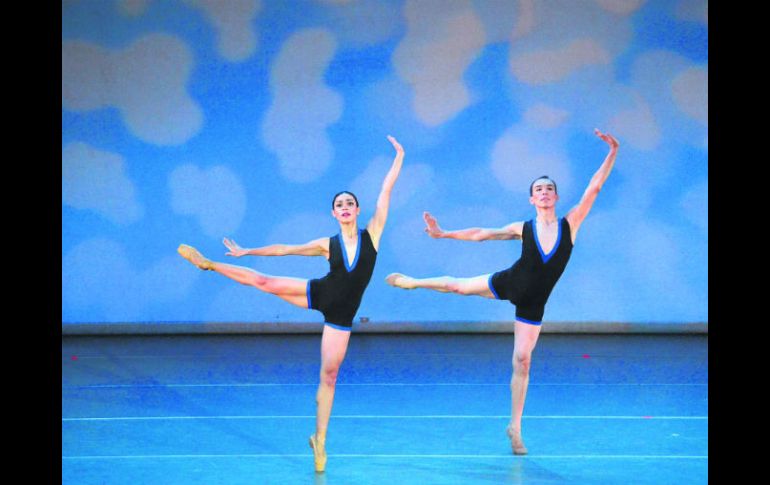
(193, 120)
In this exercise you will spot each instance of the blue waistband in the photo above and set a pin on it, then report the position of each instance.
(338, 327)
(530, 322)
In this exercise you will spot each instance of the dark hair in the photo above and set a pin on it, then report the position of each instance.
(542, 177)
(334, 199)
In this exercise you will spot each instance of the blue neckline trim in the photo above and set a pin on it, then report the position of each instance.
(543, 256)
(350, 267)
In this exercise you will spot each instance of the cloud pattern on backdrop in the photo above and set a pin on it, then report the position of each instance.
(233, 20)
(303, 106)
(96, 180)
(195, 120)
(146, 82)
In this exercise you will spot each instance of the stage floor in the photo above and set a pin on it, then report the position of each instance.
(409, 409)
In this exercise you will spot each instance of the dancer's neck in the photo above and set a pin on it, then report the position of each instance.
(349, 231)
(546, 216)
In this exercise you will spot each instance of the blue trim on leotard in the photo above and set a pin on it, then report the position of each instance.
(531, 322)
(350, 267)
(546, 257)
(492, 288)
(338, 327)
(307, 292)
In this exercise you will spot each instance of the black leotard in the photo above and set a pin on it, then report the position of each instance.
(529, 282)
(338, 294)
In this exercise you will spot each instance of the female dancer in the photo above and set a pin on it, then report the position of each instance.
(351, 255)
(546, 246)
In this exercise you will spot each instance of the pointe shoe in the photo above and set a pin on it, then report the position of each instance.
(517, 444)
(319, 453)
(391, 280)
(192, 255)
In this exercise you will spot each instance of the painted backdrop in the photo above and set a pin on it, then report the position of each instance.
(193, 120)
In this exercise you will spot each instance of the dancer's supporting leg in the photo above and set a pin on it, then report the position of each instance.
(293, 290)
(524, 343)
(525, 339)
(334, 345)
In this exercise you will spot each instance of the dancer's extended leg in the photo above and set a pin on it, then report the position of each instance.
(334, 344)
(476, 285)
(293, 290)
(525, 340)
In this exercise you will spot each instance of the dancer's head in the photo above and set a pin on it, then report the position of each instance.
(345, 207)
(542, 192)
(542, 181)
(334, 200)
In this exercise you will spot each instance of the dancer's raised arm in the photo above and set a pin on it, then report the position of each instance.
(577, 214)
(510, 231)
(316, 247)
(377, 222)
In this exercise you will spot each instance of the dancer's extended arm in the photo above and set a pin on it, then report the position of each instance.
(510, 231)
(316, 247)
(577, 214)
(377, 223)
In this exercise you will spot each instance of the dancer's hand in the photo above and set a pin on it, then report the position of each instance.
(433, 230)
(609, 139)
(235, 250)
(396, 145)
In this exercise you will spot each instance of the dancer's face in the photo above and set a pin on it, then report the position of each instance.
(345, 209)
(543, 193)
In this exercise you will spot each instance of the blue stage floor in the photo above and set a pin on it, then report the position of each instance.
(409, 409)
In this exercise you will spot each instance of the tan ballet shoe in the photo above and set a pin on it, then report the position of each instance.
(517, 444)
(319, 453)
(398, 280)
(192, 255)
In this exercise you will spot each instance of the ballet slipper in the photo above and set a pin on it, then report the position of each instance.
(517, 444)
(319, 454)
(192, 255)
(397, 280)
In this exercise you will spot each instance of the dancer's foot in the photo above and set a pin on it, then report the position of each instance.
(192, 255)
(517, 444)
(319, 453)
(400, 281)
